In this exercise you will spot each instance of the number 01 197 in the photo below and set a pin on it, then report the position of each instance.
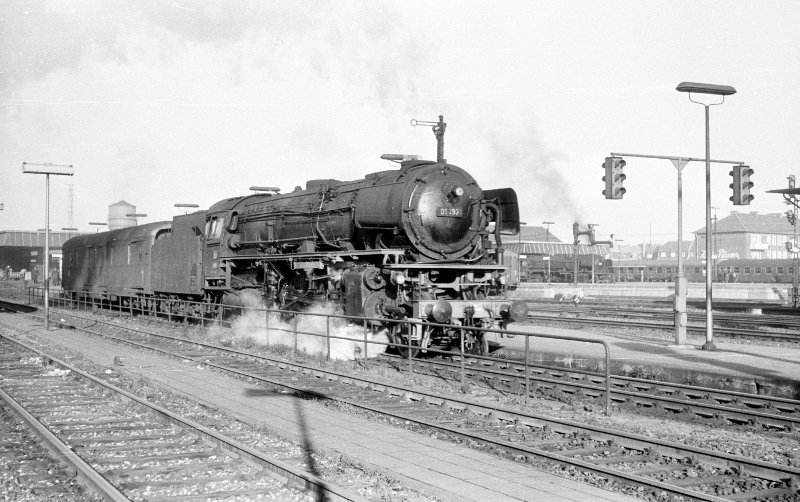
(450, 212)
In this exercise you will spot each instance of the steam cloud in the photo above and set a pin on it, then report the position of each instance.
(346, 340)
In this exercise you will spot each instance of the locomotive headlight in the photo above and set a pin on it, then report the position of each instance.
(457, 191)
(398, 278)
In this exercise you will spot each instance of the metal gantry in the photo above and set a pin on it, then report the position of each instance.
(680, 281)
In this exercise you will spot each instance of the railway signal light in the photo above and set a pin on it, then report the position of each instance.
(741, 185)
(614, 177)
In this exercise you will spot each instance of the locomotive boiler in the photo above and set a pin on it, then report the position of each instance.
(420, 243)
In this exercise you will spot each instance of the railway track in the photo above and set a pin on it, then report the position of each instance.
(606, 310)
(723, 407)
(29, 469)
(664, 320)
(126, 448)
(632, 461)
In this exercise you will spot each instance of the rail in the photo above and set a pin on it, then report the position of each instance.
(289, 321)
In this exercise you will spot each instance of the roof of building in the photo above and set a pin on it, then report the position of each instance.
(752, 222)
(26, 239)
(672, 247)
(536, 234)
(546, 248)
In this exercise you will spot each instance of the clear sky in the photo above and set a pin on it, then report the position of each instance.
(165, 102)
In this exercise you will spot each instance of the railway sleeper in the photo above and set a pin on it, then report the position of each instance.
(145, 470)
(619, 459)
(173, 483)
(203, 454)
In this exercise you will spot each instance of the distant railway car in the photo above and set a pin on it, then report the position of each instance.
(768, 271)
(561, 268)
(754, 270)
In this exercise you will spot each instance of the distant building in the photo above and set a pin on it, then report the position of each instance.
(626, 252)
(23, 250)
(747, 235)
(669, 250)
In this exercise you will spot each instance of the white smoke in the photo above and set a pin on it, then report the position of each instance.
(308, 332)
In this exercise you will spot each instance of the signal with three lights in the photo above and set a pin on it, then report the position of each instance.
(614, 177)
(741, 185)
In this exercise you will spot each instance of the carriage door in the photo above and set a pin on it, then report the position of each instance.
(213, 270)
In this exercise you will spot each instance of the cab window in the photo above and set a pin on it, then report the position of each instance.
(214, 227)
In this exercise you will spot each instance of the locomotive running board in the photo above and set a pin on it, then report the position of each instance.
(316, 256)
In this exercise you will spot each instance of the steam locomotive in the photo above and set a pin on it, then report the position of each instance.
(422, 242)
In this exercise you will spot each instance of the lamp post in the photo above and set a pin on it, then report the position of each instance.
(47, 169)
(98, 224)
(716, 90)
(136, 217)
(547, 240)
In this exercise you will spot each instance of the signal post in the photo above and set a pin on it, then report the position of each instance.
(792, 247)
(613, 179)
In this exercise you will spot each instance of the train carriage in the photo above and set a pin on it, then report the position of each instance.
(113, 264)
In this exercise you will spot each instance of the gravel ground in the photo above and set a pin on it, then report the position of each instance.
(370, 484)
(751, 442)
(748, 441)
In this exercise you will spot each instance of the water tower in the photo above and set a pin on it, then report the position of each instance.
(117, 215)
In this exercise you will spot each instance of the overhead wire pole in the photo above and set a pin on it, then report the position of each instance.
(47, 169)
(680, 283)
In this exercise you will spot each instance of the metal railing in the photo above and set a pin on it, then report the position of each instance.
(337, 327)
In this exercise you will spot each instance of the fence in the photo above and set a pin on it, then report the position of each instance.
(293, 329)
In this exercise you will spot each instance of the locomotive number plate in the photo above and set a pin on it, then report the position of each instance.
(450, 212)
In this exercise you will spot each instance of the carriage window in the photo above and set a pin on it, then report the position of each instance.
(780, 270)
(746, 270)
(139, 251)
(735, 270)
(758, 270)
(791, 270)
(660, 270)
(769, 270)
(696, 270)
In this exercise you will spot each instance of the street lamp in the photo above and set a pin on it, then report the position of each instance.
(136, 215)
(98, 224)
(187, 206)
(717, 90)
(47, 169)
